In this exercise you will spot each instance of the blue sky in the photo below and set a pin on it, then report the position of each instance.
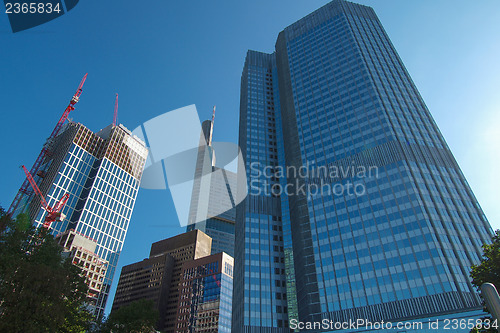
(160, 55)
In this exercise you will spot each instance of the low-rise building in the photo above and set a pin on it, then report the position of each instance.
(158, 277)
(81, 250)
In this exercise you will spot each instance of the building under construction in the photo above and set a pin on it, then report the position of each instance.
(86, 182)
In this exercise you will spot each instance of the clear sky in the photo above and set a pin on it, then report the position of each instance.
(160, 55)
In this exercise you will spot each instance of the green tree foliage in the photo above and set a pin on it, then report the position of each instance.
(137, 317)
(488, 270)
(39, 291)
(4, 219)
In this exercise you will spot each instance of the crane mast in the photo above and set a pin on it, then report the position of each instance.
(45, 150)
(53, 213)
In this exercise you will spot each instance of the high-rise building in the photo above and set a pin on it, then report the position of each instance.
(344, 158)
(206, 292)
(213, 208)
(101, 172)
(260, 300)
(149, 279)
(158, 278)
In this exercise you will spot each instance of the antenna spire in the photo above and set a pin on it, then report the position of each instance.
(115, 115)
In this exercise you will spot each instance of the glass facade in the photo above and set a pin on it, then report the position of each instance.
(221, 232)
(383, 222)
(213, 207)
(101, 173)
(260, 293)
(205, 298)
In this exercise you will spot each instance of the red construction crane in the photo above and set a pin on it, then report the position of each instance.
(53, 213)
(45, 150)
(115, 116)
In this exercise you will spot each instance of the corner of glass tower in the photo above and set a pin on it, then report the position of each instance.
(387, 227)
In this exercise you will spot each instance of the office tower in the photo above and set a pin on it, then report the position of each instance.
(148, 279)
(81, 251)
(101, 172)
(260, 298)
(206, 292)
(213, 209)
(383, 222)
(158, 277)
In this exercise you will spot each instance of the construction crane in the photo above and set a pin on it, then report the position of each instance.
(115, 115)
(53, 213)
(45, 150)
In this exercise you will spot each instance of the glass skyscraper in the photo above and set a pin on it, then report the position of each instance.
(356, 207)
(260, 298)
(101, 172)
(213, 207)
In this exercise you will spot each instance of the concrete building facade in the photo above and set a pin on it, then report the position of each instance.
(158, 277)
(81, 251)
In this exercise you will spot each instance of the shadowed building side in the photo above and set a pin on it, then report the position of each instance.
(158, 277)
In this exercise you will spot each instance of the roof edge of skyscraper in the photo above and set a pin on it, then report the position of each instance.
(258, 58)
(323, 14)
(167, 244)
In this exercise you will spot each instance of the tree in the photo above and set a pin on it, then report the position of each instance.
(137, 317)
(488, 270)
(39, 291)
(4, 219)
